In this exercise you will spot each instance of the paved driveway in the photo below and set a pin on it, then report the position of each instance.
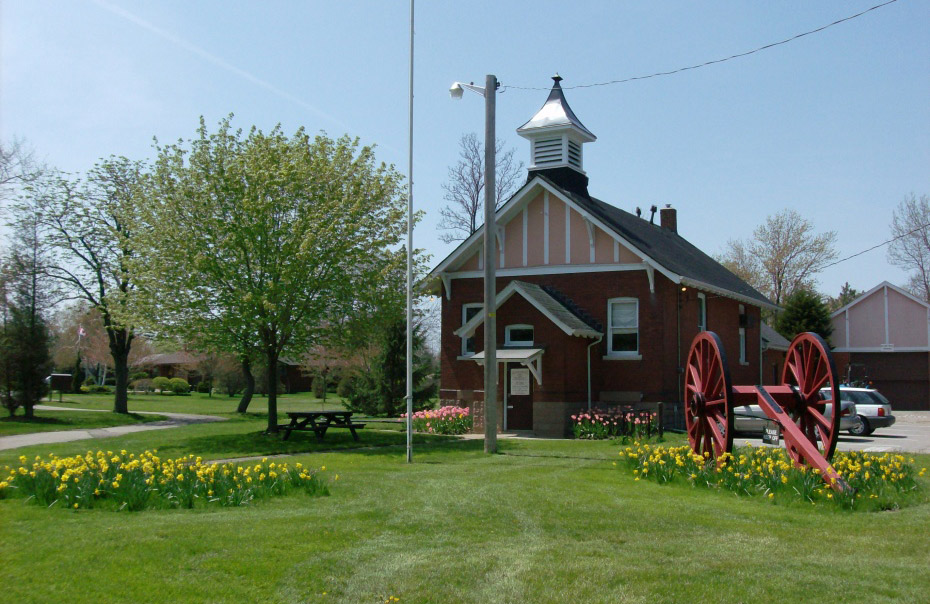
(910, 433)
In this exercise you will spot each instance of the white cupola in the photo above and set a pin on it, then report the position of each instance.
(556, 134)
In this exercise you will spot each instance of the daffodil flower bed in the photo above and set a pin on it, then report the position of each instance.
(878, 481)
(599, 424)
(446, 420)
(125, 481)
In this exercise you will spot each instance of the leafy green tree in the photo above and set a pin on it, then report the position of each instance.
(268, 240)
(804, 311)
(847, 295)
(383, 389)
(77, 375)
(91, 227)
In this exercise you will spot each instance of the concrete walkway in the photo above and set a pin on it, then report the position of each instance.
(61, 436)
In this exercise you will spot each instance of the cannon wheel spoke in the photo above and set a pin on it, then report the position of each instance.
(708, 393)
(809, 368)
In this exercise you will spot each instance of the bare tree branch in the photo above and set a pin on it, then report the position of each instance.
(465, 188)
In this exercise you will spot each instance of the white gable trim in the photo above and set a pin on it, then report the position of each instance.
(512, 288)
(512, 207)
(727, 293)
(862, 297)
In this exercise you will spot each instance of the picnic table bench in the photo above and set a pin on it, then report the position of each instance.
(319, 422)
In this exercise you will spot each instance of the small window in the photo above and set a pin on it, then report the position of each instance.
(468, 312)
(518, 335)
(702, 312)
(623, 319)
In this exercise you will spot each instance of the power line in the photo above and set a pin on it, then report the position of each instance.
(715, 61)
(874, 247)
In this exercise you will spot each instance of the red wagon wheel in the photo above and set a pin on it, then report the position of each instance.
(809, 369)
(708, 397)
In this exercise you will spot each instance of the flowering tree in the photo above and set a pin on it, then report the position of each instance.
(267, 240)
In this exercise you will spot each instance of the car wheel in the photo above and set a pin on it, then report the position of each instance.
(862, 428)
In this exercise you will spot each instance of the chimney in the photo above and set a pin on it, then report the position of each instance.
(668, 218)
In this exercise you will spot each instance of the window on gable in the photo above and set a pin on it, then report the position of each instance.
(702, 312)
(469, 311)
(623, 321)
(518, 335)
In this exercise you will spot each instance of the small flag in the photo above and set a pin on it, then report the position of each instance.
(81, 332)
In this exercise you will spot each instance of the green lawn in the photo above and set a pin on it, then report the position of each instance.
(199, 403)
(48, 420)
(547, 521)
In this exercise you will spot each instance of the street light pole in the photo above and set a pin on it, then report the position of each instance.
(490, 286)
(489, 92)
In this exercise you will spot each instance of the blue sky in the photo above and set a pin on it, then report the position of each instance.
(835, 125)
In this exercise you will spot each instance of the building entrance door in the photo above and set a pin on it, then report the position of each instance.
(519, 397)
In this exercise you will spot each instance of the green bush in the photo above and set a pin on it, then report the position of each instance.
(162, 384)
(204, 386)
(90, 381)
(144, 384)
(179, 386)
(138, 375)
(95, 389)
(344, 389)
(318, 386)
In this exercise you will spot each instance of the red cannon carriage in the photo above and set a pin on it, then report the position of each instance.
(798, 405)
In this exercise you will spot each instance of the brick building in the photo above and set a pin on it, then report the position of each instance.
(595, 305)
(883, 337)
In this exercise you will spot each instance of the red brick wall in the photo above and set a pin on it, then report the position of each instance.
(903, 377)
(564, 362)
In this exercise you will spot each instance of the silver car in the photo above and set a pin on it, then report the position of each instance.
(751, 418)
(873, 410)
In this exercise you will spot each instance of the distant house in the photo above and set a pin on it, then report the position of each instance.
(883, 336)
(591, 299)
(774, 350)
(183, 364)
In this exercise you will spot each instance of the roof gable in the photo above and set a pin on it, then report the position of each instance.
(875, 290)
(566, 318)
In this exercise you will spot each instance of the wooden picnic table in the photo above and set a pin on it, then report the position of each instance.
(319, 422)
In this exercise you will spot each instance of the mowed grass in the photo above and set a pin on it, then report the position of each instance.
(196, 402)
(546, 521)
(54, 420)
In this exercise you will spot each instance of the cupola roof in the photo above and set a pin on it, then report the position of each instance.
(556, 114)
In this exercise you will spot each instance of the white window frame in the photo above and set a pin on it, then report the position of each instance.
(621, 354)
(508, 341)
(465, 318)
(702, 312)
(742, 338)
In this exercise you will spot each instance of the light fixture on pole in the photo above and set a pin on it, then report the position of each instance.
(489, 92)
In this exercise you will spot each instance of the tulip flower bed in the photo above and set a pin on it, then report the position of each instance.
(598, 424)
(124, 481)
(877, 481)
(446, 420)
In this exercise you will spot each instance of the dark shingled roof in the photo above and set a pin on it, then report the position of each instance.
(666, 247)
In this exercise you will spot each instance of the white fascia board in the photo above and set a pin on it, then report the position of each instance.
(862, 297)
(609, 230)
(552, 269)
(515, 287)
(475, 239)
(727, 293)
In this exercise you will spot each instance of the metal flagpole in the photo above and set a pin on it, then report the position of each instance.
(410, 260)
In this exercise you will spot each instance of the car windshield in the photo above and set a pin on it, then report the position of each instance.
(878, 397)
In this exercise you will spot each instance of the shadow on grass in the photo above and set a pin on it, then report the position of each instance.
(372, 442)
(74, 421)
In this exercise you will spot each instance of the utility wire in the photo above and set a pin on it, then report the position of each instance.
(923, 226)
(715, 61)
